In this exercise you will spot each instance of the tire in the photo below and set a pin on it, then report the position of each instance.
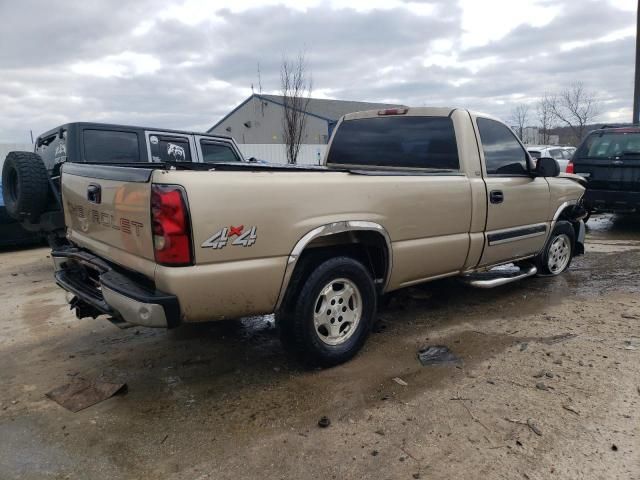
(558, 251)
(25, 185)
(328, 317)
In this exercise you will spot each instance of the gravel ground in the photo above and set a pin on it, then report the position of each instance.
(548, 385)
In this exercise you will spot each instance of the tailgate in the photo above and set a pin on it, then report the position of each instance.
(107, 211)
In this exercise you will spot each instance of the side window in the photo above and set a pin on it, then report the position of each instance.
(502, 152)
(169, 148)
(108, 146)
(213, 152)
(53, 149)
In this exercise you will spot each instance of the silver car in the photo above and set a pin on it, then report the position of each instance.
(561, 154)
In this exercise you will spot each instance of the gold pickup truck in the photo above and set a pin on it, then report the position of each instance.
(404, 196)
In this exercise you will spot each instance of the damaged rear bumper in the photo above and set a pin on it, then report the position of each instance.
(99, 288)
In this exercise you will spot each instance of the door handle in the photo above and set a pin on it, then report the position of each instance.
(94, 193)
(496, 196)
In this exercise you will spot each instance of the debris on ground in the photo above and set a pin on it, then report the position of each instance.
(614, 447)
(571, 409)
(81, 393)
(399, 381)
(324, 422)
(541, 386)
(436, 355)
(529, 423)
(558, 338)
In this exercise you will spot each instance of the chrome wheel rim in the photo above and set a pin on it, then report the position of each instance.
(337, 311)
(559, 254)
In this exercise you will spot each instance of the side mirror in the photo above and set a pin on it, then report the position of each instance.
(547, 167)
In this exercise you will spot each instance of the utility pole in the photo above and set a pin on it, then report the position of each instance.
(636, 89)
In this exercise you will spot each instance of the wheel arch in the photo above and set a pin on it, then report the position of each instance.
(571, 211)
(352, 234)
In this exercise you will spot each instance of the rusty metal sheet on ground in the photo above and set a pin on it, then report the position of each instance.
(81, 393)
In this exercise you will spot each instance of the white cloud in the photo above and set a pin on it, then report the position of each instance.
(122, 65)
(490, 20)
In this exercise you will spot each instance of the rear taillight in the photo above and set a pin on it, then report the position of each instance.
(170, 221)
(569, 168)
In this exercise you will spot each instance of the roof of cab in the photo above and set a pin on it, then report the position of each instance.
(410, 112)
(107, 126)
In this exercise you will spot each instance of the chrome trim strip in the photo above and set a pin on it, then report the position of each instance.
(332, 229)
(562, 207)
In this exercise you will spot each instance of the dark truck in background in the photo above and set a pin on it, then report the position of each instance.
(609, 158)
(31, 180)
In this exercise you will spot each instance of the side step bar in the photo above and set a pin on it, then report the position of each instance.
(494, 278)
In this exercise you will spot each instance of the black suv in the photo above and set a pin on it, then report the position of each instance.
(30, 180)
(609, 158)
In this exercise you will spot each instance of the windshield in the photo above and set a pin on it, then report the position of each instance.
(610, 145)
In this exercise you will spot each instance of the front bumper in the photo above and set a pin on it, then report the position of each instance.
(100, 288)
(612, 200)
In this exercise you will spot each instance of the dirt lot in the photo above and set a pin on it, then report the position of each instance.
(222, 401)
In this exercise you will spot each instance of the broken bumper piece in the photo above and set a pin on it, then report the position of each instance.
(99, 288)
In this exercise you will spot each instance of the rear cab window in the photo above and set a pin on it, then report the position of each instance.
(111, 146)
(169, 148)
(503, 154)
(398, 142)
(217, 152)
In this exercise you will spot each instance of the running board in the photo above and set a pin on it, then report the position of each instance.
(494, 278)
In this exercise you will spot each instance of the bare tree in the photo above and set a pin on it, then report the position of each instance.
(296, 89)
(575, 107)
(519, 116)
(546, 118)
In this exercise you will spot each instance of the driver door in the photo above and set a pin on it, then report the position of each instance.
(517, 203)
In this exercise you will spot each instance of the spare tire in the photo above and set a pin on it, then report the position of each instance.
(25, 185)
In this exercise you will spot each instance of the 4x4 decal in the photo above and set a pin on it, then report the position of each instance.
(243, 238)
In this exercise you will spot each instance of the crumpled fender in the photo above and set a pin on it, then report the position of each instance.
(576, 178)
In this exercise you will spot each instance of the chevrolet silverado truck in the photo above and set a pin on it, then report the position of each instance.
(404, 196)
(31, 180)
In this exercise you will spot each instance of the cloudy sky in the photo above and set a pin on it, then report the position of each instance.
(184, 64)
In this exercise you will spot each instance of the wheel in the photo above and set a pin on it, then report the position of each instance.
(329, 317)
(25, 185)
(558, 251)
